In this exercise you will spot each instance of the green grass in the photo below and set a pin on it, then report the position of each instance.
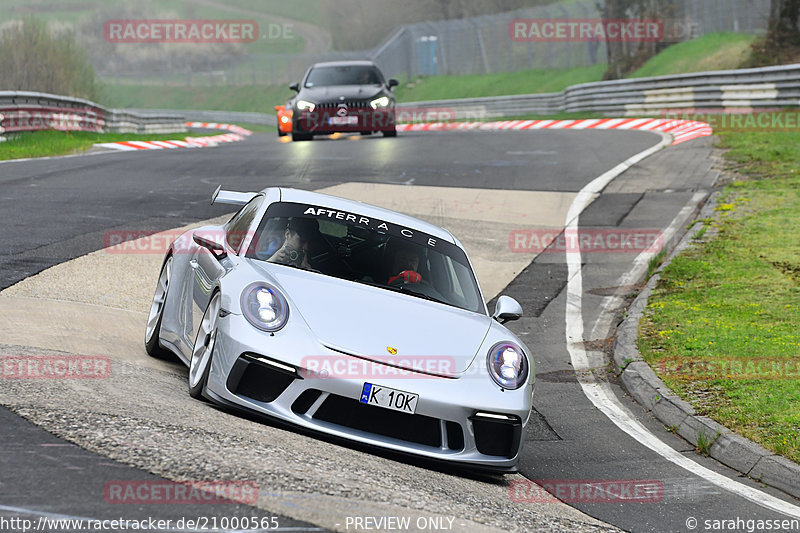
(254, 98)
(53, 143)
(523, 82)
(714, 51)
(734, 299)
(262, 98)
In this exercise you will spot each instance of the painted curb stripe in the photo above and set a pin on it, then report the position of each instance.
(236, 133)
(681, 130)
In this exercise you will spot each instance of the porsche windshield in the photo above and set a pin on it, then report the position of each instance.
(343, 75)
(366, 250)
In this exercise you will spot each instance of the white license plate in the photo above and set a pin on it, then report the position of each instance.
(397, 400)
(343, 121)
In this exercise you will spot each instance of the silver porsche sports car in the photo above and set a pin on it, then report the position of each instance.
(348, 319)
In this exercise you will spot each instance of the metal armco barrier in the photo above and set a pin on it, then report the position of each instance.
(31, 111)
(758, 88)
(233, 117)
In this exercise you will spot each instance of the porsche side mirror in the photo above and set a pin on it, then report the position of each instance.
(507, 309)
(393, 82)
(216, 249)
(295, 87)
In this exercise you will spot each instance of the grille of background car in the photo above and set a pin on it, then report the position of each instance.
(349, 103)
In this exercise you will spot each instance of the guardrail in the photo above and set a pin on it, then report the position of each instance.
(31, 111)
(233, 117)
(758, 88)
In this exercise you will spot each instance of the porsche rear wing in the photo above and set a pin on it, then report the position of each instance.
(231, 197)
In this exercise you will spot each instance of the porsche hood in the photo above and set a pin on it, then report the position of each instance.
(382, 325)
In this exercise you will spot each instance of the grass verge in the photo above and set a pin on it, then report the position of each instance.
(721, 326)
(714, 51)
(54, 143)
(523, 82)
(253, 98)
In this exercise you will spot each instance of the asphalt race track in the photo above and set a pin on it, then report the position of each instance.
(494, 190)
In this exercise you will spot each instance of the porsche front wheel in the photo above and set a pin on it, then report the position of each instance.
(156, 316)
(200, 365)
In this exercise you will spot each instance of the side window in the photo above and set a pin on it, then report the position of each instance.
(236, 228)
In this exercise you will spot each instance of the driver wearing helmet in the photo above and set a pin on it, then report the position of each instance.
(404, 265)
(300, 234)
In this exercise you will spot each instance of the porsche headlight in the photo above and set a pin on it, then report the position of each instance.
(302, 105)
(265, 307)
(383, 101)
(507, 365)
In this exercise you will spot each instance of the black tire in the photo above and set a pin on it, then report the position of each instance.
(364, 133)
(196, 390)
(390, 133)
(151, 337)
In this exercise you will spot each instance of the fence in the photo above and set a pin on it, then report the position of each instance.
(477, 45)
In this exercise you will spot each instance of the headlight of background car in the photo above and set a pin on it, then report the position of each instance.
(305, 104)
(265, 307)
(508, 365)
(383, 101)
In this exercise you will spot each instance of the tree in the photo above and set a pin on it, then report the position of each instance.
(34, 59)
(625, 57)
(617, 58)
(783, 24)
(781, 45)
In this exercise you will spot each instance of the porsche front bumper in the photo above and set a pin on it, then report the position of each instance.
(466, 420)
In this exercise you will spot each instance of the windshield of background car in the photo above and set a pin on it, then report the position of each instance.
(366, 250)
(343, 75)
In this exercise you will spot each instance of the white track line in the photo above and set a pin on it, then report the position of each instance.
(599, 393)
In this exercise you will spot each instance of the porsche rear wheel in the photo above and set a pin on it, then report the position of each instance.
(156, 316)
(203, 351)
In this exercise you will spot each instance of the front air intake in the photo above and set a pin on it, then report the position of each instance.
(259, 379)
